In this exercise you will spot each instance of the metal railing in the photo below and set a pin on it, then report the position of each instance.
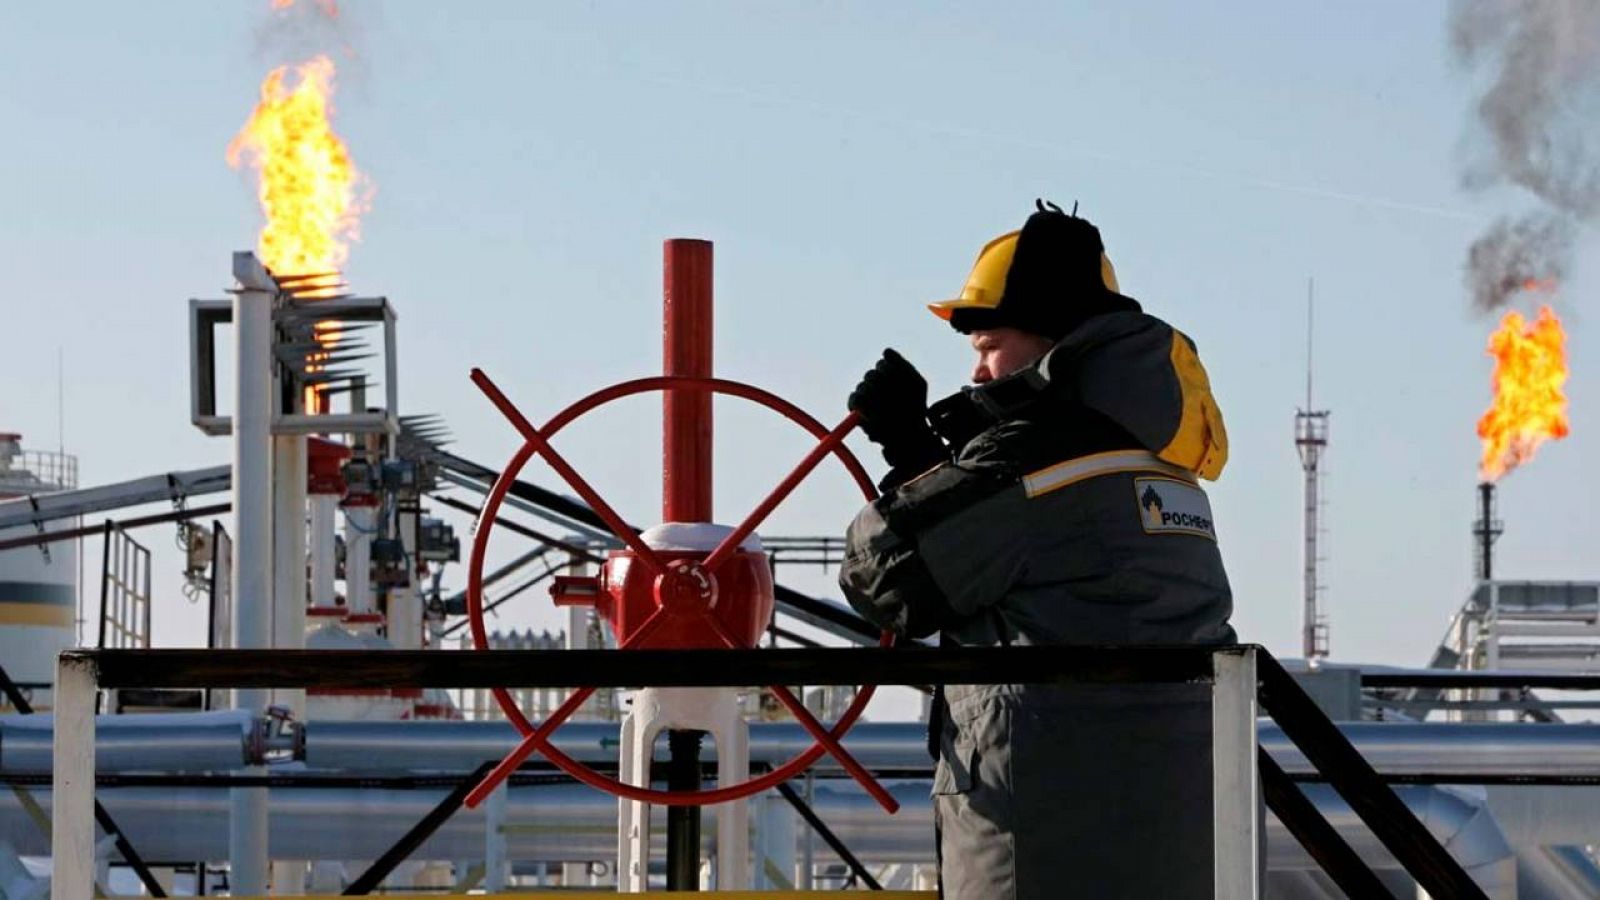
(40, 470)
(1243, 680)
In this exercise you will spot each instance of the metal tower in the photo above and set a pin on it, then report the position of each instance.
(1311, 439)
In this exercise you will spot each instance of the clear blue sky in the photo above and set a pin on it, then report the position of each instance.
(848, 160)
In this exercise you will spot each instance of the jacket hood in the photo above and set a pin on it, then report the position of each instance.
(1146, 377)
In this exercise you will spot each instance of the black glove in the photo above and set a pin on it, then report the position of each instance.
(892, 399)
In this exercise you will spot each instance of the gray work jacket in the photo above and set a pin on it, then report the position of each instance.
(1067, 791)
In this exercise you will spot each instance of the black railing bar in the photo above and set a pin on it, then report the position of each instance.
(1394, 824)
(191, 668)
(828, 837)
(1447, 678)
(1530, 704)
(1303, 820)
(1463, 778)
(802, 640)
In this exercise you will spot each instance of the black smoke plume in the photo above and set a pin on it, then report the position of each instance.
(1539, 61)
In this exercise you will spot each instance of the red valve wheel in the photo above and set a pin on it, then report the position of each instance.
(825, 740)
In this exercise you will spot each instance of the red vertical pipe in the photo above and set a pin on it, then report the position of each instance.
(686, 350)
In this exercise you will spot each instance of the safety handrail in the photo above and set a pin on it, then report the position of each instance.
(1369, 796)
(1299, 717)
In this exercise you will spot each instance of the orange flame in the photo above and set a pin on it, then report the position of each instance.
(1529, 406)
(307, 187)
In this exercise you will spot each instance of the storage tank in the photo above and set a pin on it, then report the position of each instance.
(38, 588)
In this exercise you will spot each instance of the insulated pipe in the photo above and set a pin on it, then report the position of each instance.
(153, 742)
(1553, 873)
(1546, 815)
(252, 541)
(1461, 819)
(324, 516)
(1504, 749)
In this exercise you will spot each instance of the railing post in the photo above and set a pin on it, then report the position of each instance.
(1235, 784)
(72, 780)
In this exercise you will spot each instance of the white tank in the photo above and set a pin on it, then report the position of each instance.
(38, 590)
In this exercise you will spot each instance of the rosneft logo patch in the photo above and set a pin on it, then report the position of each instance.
(1167, 506)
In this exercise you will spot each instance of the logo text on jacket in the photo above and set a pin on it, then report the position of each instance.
(1167, 506)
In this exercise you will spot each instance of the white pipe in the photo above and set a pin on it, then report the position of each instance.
(324, 516)
(289, 556)
(252, 542)
(359, 523)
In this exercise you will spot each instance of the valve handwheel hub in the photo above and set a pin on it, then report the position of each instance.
(686, 588)
(627, 592)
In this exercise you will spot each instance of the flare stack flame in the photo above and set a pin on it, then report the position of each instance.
(307, 185)
(1530, 403)
(310, 192)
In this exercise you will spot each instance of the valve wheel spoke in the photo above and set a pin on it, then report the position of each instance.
(824, 737)
(539, 738)
(827, 445)
(722, 634)
(618, 526)
(535, 741)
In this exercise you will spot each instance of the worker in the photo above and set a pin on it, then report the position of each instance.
(1056, 500)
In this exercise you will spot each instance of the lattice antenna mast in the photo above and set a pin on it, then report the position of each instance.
(1311, 440)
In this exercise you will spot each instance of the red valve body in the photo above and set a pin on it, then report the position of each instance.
(740, 598)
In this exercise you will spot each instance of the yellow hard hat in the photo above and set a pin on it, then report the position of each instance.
(986, 285)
